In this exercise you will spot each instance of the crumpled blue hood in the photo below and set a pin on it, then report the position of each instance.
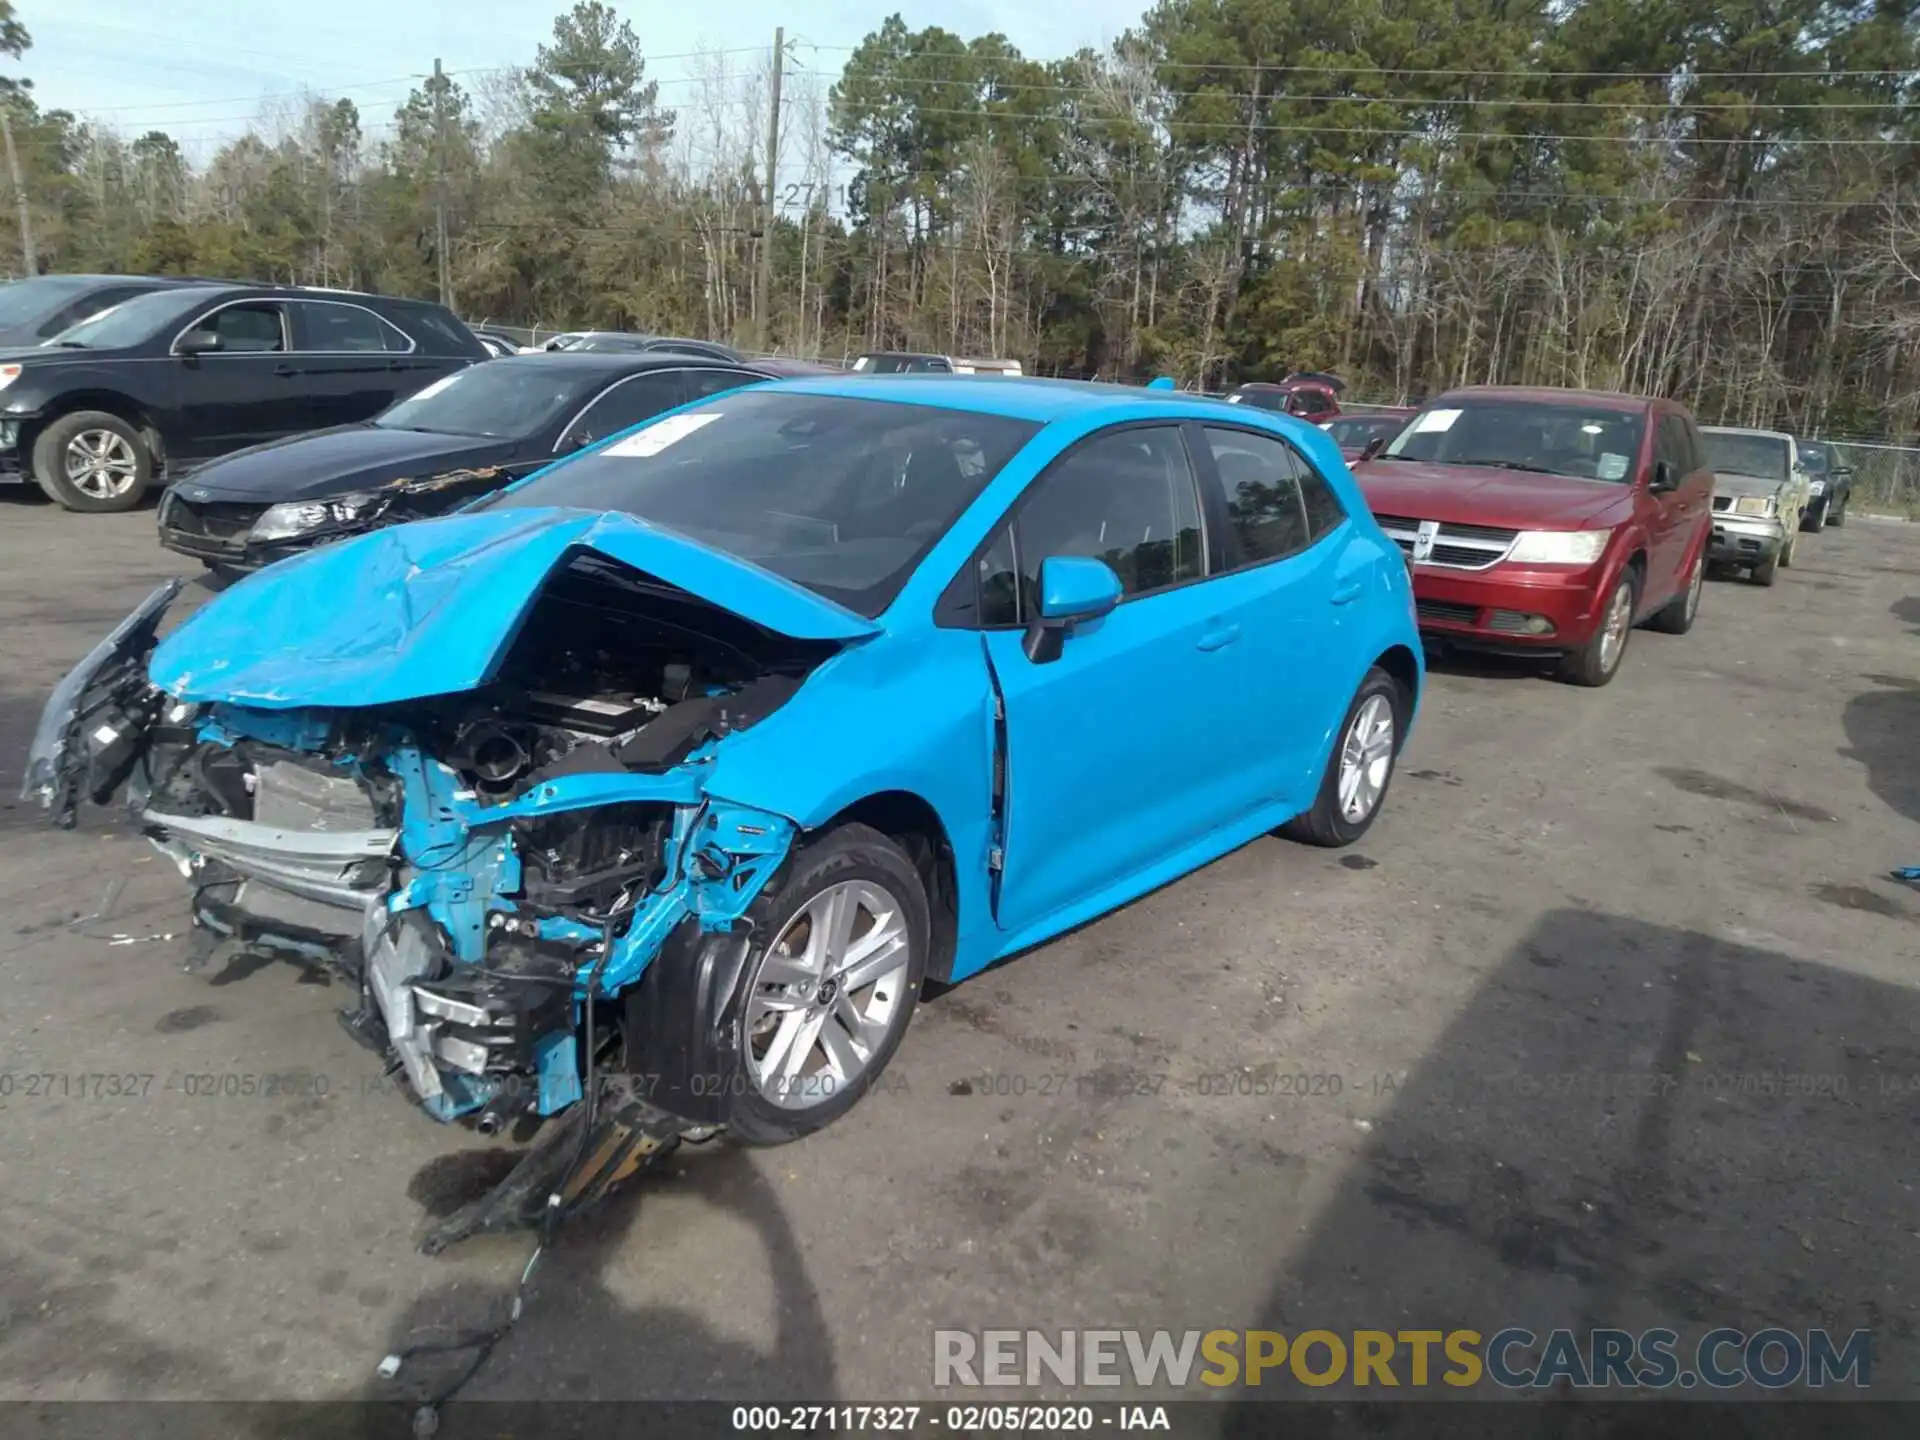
(431, 607)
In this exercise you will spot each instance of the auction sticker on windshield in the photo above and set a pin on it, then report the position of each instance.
(1435, 420)
(1612, 467)
(657, 437)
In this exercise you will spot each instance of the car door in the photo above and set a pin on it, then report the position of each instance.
(1675, 514)
(349, 363)
(1289, 583)
(1118, 752)
(243, 393)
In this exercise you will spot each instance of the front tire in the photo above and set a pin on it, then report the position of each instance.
(92, 462)
(826, 1000)
(1766, 570)
(1598, 661)
(1839, 517)
(1359, 770)
(1814, 520)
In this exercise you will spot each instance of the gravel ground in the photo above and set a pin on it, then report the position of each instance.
(1680, 876)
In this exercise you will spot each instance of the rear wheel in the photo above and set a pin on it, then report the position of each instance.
(92, 461)
(1598, 661)
(1354, 785)
(1839, 517)
(1814, 519)
(826, 1002)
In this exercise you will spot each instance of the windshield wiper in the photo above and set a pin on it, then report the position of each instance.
(1511, 465)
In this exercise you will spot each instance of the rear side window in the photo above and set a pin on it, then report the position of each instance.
(1311, 403)
(326, 328)
(1265, 509)
(435, 329)
(88, 306)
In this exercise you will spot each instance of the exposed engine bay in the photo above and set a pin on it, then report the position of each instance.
(482, 866)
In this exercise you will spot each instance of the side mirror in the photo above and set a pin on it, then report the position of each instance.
(580, 439)
(1074, 589)
(1374, 447)
(1843, 472)
(197, 342)
(1664, 478)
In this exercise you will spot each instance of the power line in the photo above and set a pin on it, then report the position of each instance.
(1242, 127)
(1284, 97)
(1331, 67)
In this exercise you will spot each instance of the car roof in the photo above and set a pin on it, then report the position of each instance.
(622, 362)
(1548, 395)
(1748, 430)
(1017, 398)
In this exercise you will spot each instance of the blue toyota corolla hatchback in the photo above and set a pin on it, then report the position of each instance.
(695, 754)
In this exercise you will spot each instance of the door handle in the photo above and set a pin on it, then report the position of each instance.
(284, 369)
(1221, 638)
(1347, 591)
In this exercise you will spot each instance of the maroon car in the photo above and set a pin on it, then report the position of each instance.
(1353, 431)
(1547, 522)
(1308, 394)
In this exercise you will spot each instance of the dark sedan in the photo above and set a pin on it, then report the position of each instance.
(475, 431)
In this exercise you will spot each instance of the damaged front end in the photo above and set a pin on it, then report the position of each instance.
(484, 865)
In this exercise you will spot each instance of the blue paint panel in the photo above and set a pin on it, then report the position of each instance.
(557, 1061)
(430, 608)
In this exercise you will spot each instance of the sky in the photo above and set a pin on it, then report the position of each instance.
(209, 67)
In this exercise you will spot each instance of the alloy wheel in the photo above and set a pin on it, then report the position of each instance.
(1366, 758)
(827, 993)
(1613, 639)
(101, 464)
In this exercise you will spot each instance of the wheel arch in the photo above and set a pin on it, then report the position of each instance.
(110, 402)
(912, 823)
(1403, 665)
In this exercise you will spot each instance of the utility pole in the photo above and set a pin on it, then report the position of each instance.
(440, 181)
(762, 298)
(20, 196)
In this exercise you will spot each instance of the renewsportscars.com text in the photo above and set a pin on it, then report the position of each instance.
(1512, 1358)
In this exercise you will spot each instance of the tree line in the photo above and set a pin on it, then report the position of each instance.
(1713, 199)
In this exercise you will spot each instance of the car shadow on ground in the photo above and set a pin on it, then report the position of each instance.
(1883, 729)
(1630, 1125)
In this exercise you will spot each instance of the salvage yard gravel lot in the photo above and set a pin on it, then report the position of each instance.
(1612, 1020)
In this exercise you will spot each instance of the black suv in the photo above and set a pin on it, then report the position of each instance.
(41, 306)
(163, 382)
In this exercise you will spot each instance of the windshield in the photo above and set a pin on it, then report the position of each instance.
(1354, 431)
(131, 321)
(1548, 437)
(1760, 457)
(840, 495)
(24, 301)
(499, 401)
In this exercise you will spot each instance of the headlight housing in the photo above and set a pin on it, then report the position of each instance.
(303, 517)
(8, 374)
(1816, 487)
(1755, 507)
(1559, 547)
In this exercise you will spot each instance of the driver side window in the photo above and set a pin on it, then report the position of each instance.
(1127, 498)
(252, 329)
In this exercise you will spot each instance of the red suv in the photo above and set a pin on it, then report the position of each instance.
(1547, 522)
(1310, 395)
